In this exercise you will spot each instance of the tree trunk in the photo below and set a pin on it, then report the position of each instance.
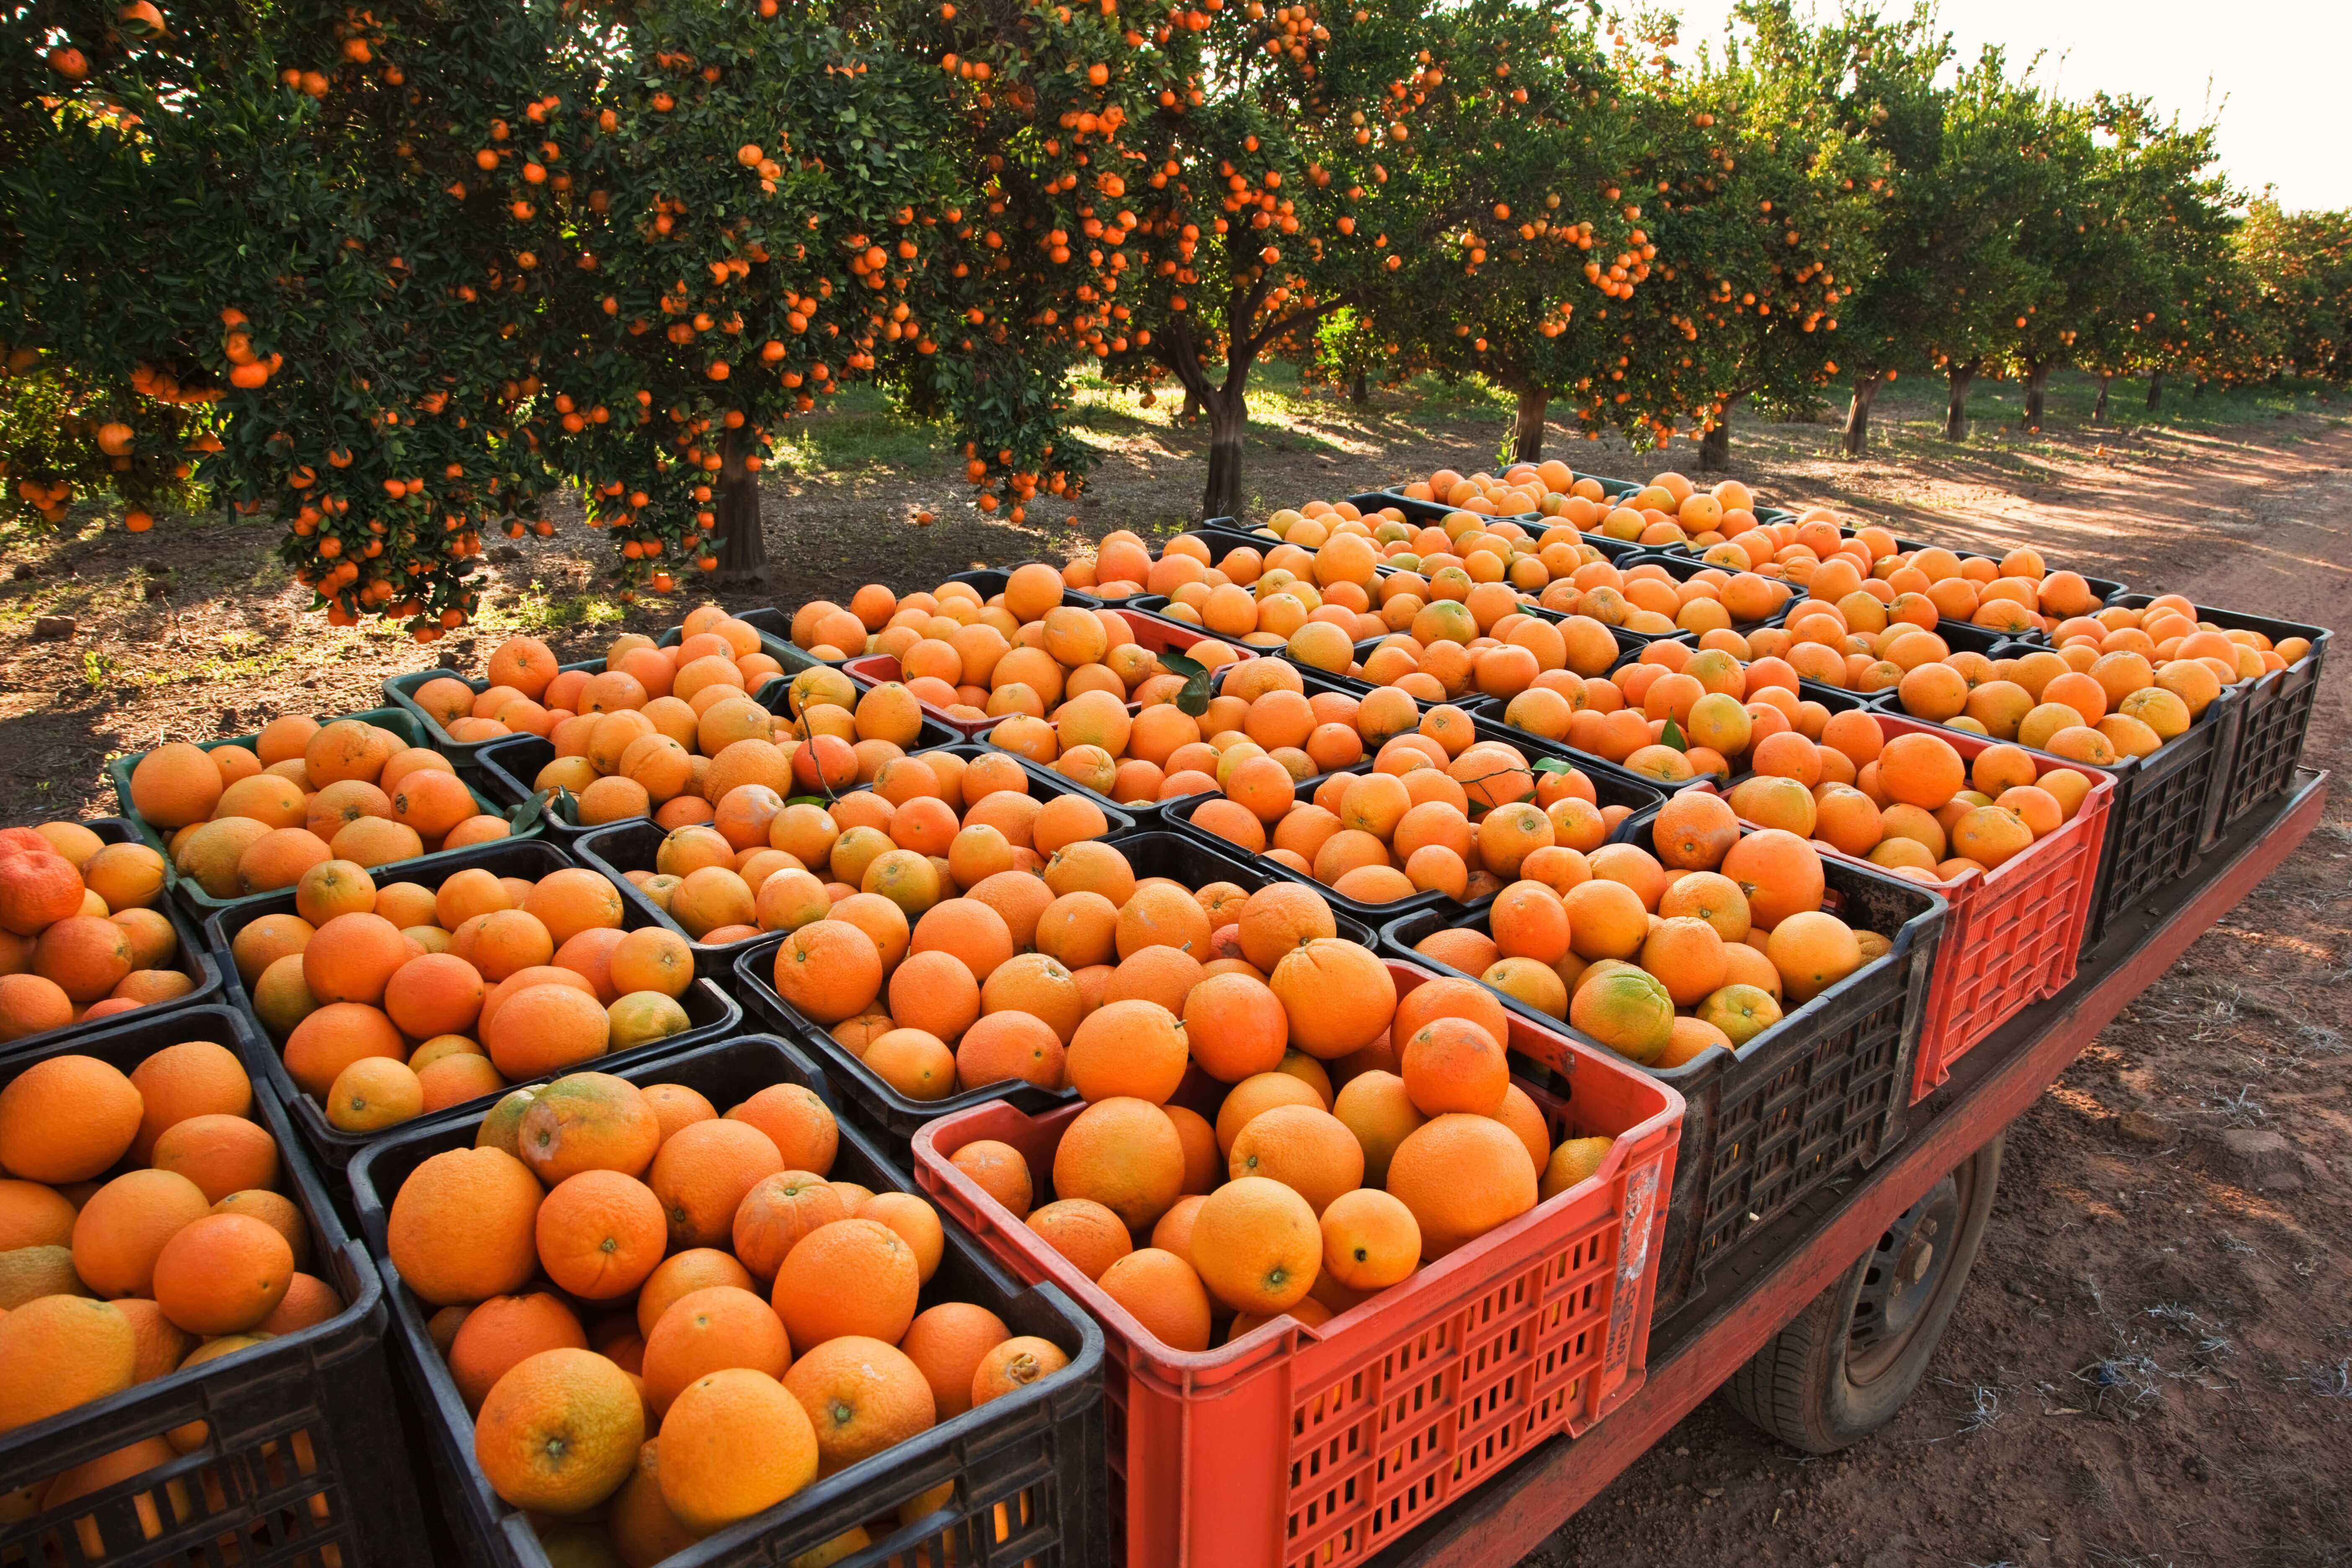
(1956, 412)
(1359, 391)
(2155, 391)
(1527, 430)
(1228, 413)
(742, 547)
(2198, 390)
(1715, 446)
(1192, 409)
(1857, 414)
(2099, 409)
(2037, 379)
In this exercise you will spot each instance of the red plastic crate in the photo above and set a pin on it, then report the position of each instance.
(1297, 1446)
(1158, 635)
(2013, 933)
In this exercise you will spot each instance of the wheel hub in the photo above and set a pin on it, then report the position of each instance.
(1904, 1274)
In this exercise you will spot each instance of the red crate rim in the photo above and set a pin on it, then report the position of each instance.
(1434, 1288)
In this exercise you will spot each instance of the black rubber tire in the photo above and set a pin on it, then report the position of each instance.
(1797, 1388)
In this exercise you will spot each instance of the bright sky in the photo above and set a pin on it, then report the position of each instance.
(2269, 68)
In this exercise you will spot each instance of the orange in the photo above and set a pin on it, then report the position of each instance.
(707, 1331)
(1015, 1365)
(828, 969)
(58, 1352)
(799, 1123)
(1370, 1240)
(1125, 1154)
(1160, 1291)
(222, 1274)
(1460, 1176)
(1128, 1049)
(463, 1225)
(503, 1332)
(1813, 952)
(1304, 1147)
(703, 1171)
(777, 1212)
(1779, 873)
(1452, 1064)
(1280, 916)
(1090, 1237)
(862, 1396)
(1257, 1245)
(1235, 1027)
(558, 1432)
(600, 1233)
(1338, 996)
(998, 1170)
(851, 1277)
(946, 1343)
(66, 1118)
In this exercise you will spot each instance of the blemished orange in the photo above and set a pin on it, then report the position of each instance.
(559, 1431)
(998, 1170)
(1015, 1365)
(862, 1396)
(1083, 1231)
(777, 1212)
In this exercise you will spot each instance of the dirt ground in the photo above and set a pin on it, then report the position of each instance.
(2153, 1364)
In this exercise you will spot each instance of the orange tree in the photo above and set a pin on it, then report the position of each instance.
(396, 276)
(1204, 184)
(1763, 209)
(2302, 263)
(1529, 278)
(221, 260)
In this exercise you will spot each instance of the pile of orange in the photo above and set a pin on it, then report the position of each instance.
(390, 1002)
(2015, 594)
(1723, 711)
(2120, 683)
(528, 694)
(1439, 810)
(1669, 509)
(654, 734)
(1909, 803)
(1659, 956)
(251, 819)
(79, 933)
(1346, 1135)
(923, 828)
(666, 1320)
(1020, 651)
(143, 1231)
(1123, 568)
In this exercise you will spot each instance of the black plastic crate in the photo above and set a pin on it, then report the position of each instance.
(193, 959)
(401, 691)
(1036, 1453)
(621, 848)
(2165, 811)
(303, 1459)
(2273, 713)
(1819, 1093)
(892, 1117)
(408, 726)
(710, 1013)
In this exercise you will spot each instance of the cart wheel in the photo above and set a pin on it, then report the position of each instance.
(1846, 1365)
